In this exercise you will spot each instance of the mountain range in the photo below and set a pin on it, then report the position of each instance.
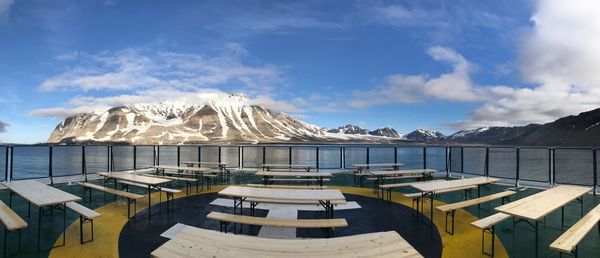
(229, 118)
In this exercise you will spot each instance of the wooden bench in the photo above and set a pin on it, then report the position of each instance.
(311, 187)
(208, 176)
(131, 197)
(197, 242)
(389, 187)
(567, 243)
(168, 191)
(224, 219)
(487, 224)
(450, 209)
(188, 181)
(12, 222)
(416, 197)
(85, 215)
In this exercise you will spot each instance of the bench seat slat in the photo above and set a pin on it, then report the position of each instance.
(111, 190)
(278, 222)
(567, 242)
(82, 210)
(318, 187)
(491, 220)
(471, 202)
(187, 179)
(10, 218)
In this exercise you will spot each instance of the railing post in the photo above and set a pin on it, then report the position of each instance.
(220, 158)
(112, 159)
(462, 160)
(83, 165)
(240, 156)
(158, 155)
(290, 156)
(317, 157)
(553, 168)
(518, 160)
(448, 160)
(486, 170)
(424, 157)
(368, 158)
(264, 156)
(50, 165)
(595, 170)
(199, 154)
(178, 155)
(12, 156)
(7, 148)
(395, 155)
(134, 157)
(342, 157)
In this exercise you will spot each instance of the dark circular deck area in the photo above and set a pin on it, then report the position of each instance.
(140, 237)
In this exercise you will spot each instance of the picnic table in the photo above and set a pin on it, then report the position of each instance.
(197, 172)
(268, 175)
(150, 182)
(43, 196)
(429, 189)
(536, 207)
(396, 174)
(306, 167)
(197, 242)
(360, 168)
(255, 195)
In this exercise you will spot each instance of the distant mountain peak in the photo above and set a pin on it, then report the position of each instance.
(349, 129)
(424, 135)
(386, 131)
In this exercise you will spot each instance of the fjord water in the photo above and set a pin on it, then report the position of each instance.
(575, 166)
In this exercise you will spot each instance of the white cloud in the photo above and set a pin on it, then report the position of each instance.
(5, 9)
(559, 55)
(453, 86)
(135, 69)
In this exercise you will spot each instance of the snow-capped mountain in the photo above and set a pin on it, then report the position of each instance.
(491, 135)
(226, 118)
(424, 135)
(349, 129)
(387, 132)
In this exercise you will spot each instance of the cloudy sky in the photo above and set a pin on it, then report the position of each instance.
(442, 65)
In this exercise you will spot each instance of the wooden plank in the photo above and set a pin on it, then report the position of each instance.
(379, 165)
(196, 242)
(491, 220)
(162, 189)
(173, 178)
(282, 194)
(179, 168)
(111, 190)
(393, 177)
(288, 186)
(537, 206)
(140, 179)
(407, 184)
(475, 201)
(40, 194)
(298, 174)
(402, 172)
(567, 242)
(435, 186)
(278, 222)
(82, 210)
(10, 218)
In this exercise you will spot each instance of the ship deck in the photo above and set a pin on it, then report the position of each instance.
(117, 236)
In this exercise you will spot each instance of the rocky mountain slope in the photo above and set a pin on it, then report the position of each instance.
(424, 135)
(224, 119)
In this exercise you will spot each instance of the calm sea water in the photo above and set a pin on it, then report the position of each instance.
(573, 166)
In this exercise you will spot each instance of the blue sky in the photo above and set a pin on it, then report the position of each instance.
(442, 65)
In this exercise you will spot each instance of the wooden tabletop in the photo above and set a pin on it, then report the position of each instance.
(283, 194)
(197, 242)
(442, 185)
(205, 163)
(290, 166)
(537, 206)
(402, 172)
(140, 179)
(379, 165)
(40, 194)
(193, 169)
(302, 174)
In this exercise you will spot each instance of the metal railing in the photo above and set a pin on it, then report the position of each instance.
(549, 165)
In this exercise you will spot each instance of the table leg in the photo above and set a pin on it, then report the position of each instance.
(536, 238)
(64, 223)
(478, 195)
